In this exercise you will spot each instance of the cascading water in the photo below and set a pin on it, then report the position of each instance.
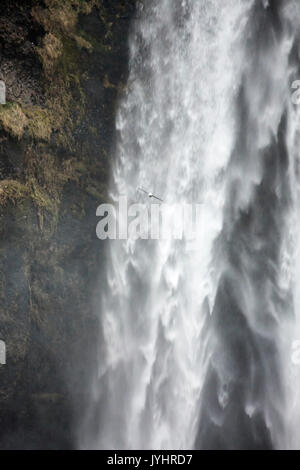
(195, 348)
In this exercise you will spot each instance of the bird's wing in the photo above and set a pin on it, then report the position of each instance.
(158, 198)
(148, 194)
(144, 191)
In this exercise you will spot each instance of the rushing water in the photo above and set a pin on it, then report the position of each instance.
(196, 345)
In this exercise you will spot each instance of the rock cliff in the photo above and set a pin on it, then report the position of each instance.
(64, 63)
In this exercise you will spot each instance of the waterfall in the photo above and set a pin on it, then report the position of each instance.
(196, 344)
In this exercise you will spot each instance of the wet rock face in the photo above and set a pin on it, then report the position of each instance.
(65, 66)
(20, 68)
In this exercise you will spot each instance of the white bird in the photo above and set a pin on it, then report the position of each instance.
(150, 194)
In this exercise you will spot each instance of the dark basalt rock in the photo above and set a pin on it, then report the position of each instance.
(19, 65)
(65, 66)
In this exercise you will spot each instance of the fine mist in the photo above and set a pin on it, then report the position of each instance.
(149, 227)
(196, 345)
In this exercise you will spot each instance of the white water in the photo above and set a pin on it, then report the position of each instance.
(182, 135)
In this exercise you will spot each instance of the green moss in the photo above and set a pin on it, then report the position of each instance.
(69, 61)
(60, 57)
(97, 192)
(6, 106)
(50, 52)
(82, 43)
(98, 46)
(40, 122)
(13, 120)
(13, 191)
(64, 68)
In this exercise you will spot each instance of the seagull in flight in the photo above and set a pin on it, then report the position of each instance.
(150, 194)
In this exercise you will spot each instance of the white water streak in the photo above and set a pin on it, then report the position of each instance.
(176, 132)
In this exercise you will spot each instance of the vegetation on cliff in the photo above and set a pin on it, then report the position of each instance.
(64, 63)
